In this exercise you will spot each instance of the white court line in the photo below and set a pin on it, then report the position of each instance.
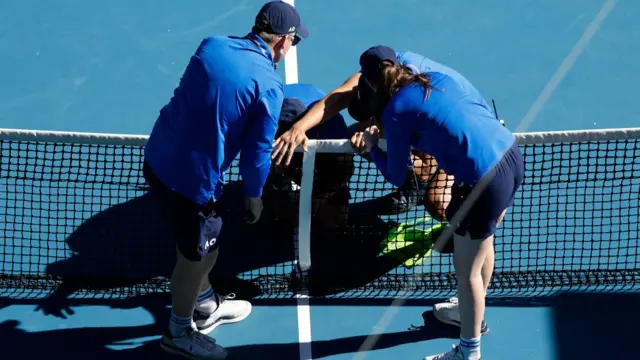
(302, 300)
(566, 65)
(304, 327)
(371, 340)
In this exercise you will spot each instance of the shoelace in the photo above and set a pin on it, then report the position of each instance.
(202, 340)
(223, 298)
(451, 355)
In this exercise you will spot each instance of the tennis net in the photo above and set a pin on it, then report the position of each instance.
(75, 209)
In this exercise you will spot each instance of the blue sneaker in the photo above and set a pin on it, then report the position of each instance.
(192, 344)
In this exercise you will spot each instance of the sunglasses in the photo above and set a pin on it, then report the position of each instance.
(295, 38)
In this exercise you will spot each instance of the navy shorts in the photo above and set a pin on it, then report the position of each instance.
(197, 226)
(501, 187)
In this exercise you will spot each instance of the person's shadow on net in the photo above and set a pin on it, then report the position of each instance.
(124, 246)
(129, 249)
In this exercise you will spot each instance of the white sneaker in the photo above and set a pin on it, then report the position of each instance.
(454, 354)
(448, 313)
(193, 345)
(228, 311)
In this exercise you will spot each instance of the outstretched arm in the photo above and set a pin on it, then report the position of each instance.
(323, 110)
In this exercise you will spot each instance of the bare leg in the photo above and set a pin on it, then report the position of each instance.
(487, 267)
(489, 263)
(210, 261)
(469, 258)
(186, 282)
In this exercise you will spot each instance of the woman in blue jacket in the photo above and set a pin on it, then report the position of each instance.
(435, 114)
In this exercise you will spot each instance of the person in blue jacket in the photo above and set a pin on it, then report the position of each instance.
(227, 104)
(435, 113)
(332, 171)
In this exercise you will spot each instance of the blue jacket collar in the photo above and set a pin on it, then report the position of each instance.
(262, 46)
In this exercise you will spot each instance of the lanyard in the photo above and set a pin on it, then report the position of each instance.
(262, 46)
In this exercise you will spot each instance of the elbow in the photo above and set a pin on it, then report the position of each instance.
(337, 101)
(345, 98)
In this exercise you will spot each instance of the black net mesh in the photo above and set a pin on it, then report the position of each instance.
(80, 215)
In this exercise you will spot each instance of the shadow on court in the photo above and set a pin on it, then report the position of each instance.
(128, 250)
(587, 326)
(103, 343)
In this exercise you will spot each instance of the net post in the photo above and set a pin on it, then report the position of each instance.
(304, 210)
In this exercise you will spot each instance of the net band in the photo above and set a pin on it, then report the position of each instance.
(326, 146)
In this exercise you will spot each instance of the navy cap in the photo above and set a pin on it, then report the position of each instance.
(371, 60)
(291, 111)
(278, 17)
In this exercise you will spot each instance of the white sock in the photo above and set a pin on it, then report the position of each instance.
(178, 325)
(207, 301)
(470, 348)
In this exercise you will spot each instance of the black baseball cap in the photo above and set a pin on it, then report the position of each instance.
(279, 17)
(362, 105)
(371, 60)
(291, 111)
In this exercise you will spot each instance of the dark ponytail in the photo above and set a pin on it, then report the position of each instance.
(391, 79)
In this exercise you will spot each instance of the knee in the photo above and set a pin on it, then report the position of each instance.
(197, 266)
(210, 259)
(468, 276)
(468, 256)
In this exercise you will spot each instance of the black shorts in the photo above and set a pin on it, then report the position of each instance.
(198, 226)
(502, 185)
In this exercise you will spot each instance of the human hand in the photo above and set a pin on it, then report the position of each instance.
(284, 147)
(363, 141)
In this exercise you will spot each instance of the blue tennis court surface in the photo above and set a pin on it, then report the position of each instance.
(108, 67)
